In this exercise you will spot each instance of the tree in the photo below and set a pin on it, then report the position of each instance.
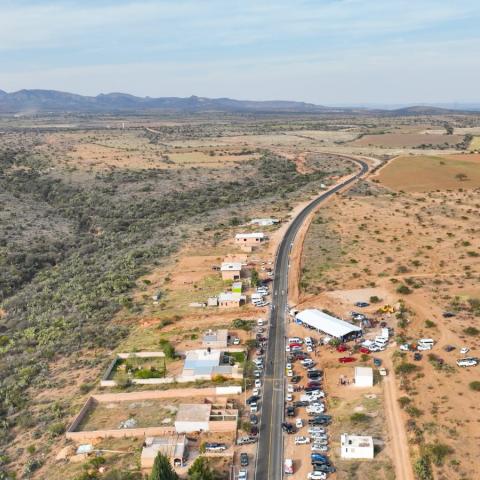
(254, 279)
(201, 470)
(162, 469)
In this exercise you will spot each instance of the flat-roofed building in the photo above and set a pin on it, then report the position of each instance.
(215, 338)
(231, 299)
(231, 270)
(174, 447)
(356, 446)
(250, 239)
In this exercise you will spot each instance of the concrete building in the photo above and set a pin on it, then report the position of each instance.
(354, 446)
(212, 302)
(363, 377)
(231, 270)
(215, 338)
(231, 299)
(203, 364)
(174, 447)
(250, 239)
(264, 222)
(333, 327)
(193, 418)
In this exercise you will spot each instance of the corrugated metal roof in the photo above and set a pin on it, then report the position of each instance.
(326, 323)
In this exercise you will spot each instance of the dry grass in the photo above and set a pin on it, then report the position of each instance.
(407, 140)
(428, 173)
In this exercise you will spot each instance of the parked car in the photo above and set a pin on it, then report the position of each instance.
(290, 411)
(296, 378)
(377, 362)
(449, 348)
(364, 350)
(315, 430)
(244, 459)
(288, 427)
(243, 475)
(301, 403)
(405, 347)
(448, 314)
(253, 419)
(467, 362)
(246, 440)
(302, 440)
(383, 372)
(361, 304)
(324, 468)
(417, 356)
(342, 348)
(299, 423)
(290, 388)
(347, 359)
(254, 430)
(316, 476)
(252, 399)
(215, 447)
(464, 350)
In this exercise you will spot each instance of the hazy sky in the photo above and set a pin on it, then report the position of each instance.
(321, 51)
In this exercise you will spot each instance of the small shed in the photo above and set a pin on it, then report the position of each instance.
(356, 446)
(174, 447)
(363, 377)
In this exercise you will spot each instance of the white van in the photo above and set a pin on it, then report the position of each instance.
(260, 322)
(381, 341)
(295, 340)
(426, 342)
(467, 362)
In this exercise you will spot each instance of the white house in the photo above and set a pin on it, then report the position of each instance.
(355, 446)
(363, 377)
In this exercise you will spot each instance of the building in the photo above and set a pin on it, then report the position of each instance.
(203, 364)
(205, 417)
(250, 239)
(193, 417)
(264, 222)
(363, 377)
(354, 446)
(333, 327)
(212, 302)
(174, 447)
(215, 338)
(231, 299)
(231, 270)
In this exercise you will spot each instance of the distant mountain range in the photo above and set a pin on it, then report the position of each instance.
(44, 101)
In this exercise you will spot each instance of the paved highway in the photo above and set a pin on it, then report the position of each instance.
(269, 463)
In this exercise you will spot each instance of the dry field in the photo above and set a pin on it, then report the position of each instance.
(428, 244)
(407, 140)
(430, 173)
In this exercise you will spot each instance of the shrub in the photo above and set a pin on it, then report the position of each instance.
(475, 386)
(437, 453)
(405, 368)
(359, 418)
(404, 401)
(430, 324)
(56, 429)
(375, 299)
(403, 290)
(423, 468)
(471, 331)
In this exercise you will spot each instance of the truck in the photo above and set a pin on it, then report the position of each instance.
(288, 466)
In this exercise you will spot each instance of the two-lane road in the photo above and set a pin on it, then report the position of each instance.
(269, 465)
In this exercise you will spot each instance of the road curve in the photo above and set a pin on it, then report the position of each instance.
(269, 461)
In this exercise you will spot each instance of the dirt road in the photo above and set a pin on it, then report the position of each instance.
(396, 428)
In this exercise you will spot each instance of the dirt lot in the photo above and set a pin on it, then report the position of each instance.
(422, 249)
(429, 173)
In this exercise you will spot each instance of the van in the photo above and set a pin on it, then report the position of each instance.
(426, 342)
(467, 362)
(288, 466)
(253, 408)
(295, 340)
(260, 322)
(382, 341)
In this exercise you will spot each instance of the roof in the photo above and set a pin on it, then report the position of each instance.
(250, 235)
(230, 297)
(264, 221)
(216, 336)
(231, 266)
(173, 446)
(326, 323)
(193, 412)
(356, 441)
(363, 372)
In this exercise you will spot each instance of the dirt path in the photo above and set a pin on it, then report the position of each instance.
(396, 428)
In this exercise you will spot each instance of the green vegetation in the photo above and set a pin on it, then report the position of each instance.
(475, 386)
(471, 331)
(201, 470)
(359, 418)
(162, 469)
(423, 468)
(405, 368)
(246, 325)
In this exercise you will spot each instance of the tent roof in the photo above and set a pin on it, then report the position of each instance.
(326, 323)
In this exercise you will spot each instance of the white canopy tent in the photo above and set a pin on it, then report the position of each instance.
(332, 326)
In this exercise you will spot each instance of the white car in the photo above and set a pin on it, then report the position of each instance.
(405, 347)
(287, 348)
(236, 341)
(467, 362)
(289, 397)
(289, 373)
(299, 423)
(306, 362)
(258, 383)
(319, 448)
(422, 348)
(288, 366)
(319, 436)
(316, 476)
(243, 475)
(290, 388)
(256, 392)
(309, 349)
(464, 350)
(302, 440)
(316, 430)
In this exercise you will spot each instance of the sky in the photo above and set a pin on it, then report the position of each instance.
(330, 52)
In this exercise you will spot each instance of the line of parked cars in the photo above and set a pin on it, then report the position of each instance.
(312, 399)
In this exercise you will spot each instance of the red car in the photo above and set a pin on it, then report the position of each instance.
(364, 350)
(295, 345)
(347, 359)
(342, 348)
